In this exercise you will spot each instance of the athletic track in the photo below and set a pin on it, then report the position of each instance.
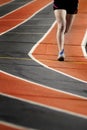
(37, 92)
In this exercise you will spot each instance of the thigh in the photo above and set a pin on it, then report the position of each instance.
(60, 15)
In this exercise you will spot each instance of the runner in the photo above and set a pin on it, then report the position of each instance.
(65, 12)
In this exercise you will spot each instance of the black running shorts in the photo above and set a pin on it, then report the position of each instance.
(71, 6)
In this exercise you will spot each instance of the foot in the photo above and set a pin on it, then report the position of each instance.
(61, 56)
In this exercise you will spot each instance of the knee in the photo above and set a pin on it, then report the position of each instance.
(62, 27)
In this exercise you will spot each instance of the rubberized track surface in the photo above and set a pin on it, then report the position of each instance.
(37, 91)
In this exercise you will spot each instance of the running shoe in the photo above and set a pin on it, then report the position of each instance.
(61, 56)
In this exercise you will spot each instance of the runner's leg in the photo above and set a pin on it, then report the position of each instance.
(69, 21)
(61, 27)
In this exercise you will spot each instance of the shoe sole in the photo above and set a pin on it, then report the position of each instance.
(61, 59)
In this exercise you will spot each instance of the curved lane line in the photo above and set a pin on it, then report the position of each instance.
(47, 59)
(84, 44)
(75, 65)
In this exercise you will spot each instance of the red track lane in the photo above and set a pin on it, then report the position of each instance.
(75, 64)
(17, 17)
(36, 93)
(2, 2)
